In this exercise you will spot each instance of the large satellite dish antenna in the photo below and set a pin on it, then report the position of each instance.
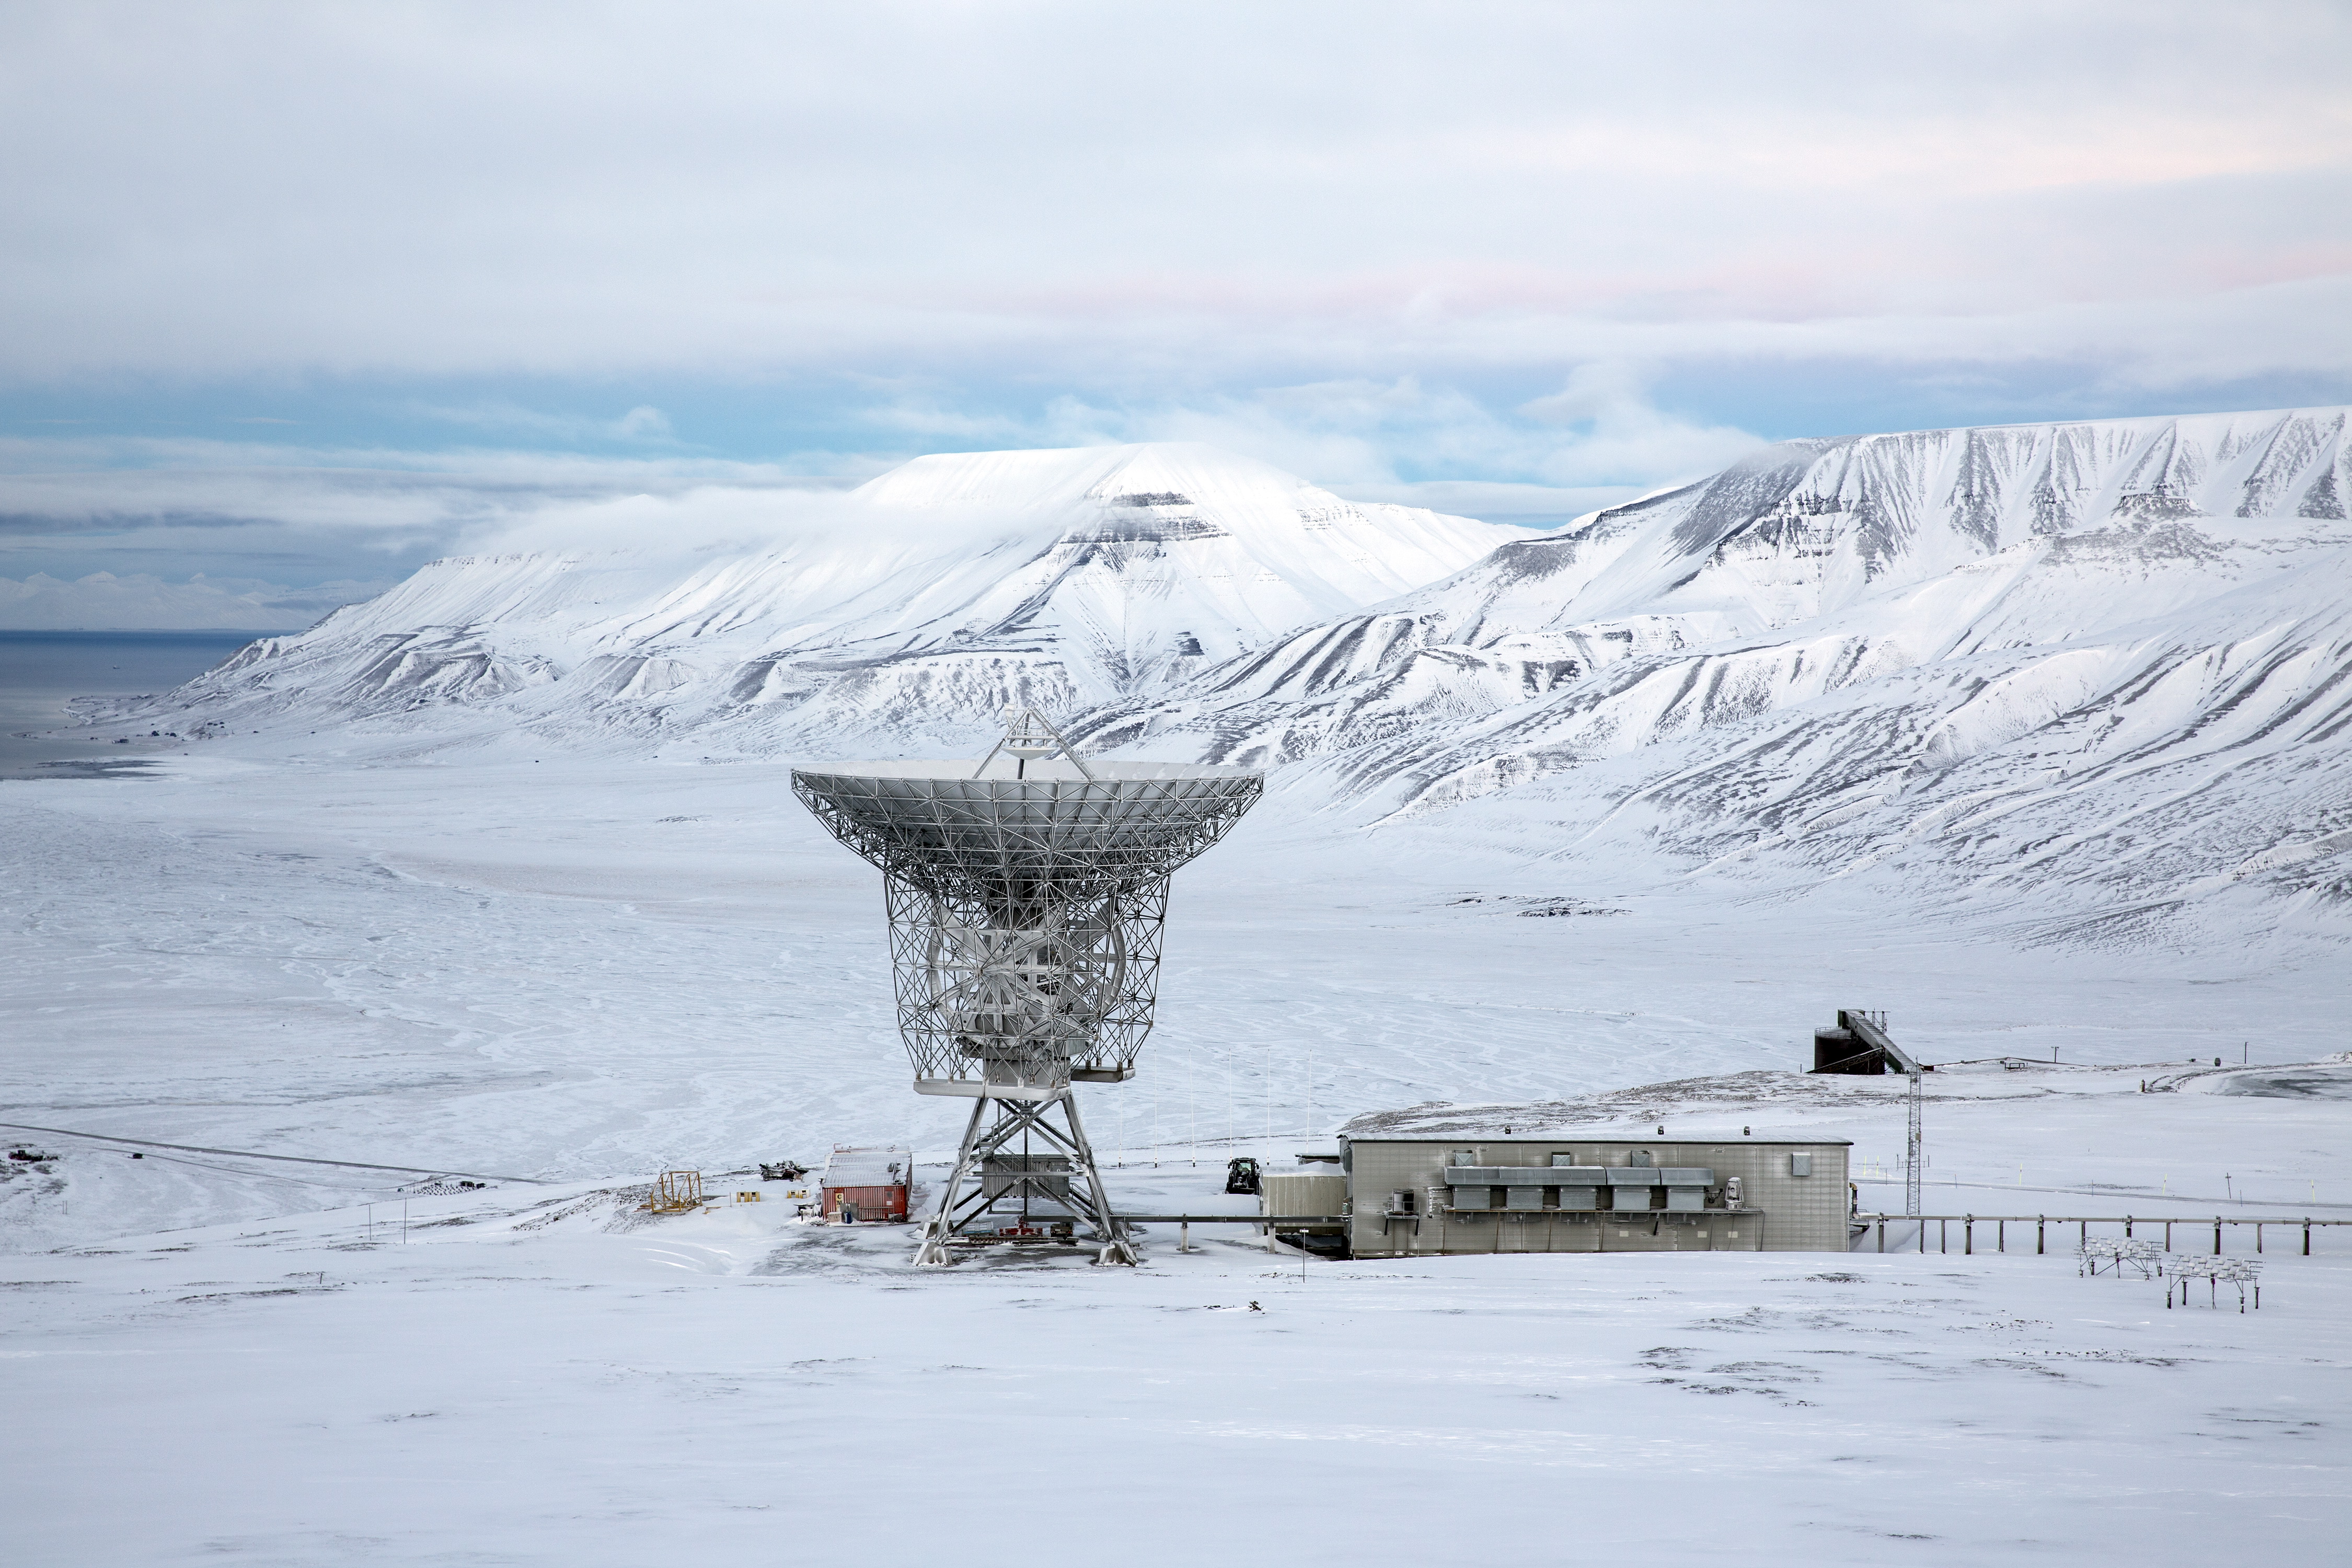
(1026, 896)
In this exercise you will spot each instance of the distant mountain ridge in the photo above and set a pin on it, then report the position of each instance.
(2100, 672)
(1062, 578)
(1969, 523)
(1942, 644)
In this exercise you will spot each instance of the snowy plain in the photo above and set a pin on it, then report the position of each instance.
(712, 1389)
(529, 898)
(586, 971)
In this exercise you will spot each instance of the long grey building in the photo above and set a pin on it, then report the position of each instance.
(1411, 1196)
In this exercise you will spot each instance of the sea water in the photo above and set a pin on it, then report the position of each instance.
(40, 672)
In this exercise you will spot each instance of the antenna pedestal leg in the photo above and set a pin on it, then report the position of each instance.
(965, 1214)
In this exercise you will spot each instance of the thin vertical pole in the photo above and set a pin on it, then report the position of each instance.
(2217, 1235)
(2306, 1237)
(1881, 1232)
(2040, 1226)
(1968, 1237)
(1913, 1150)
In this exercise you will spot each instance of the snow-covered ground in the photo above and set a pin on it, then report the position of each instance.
(515, 1384)
(586, 973)
(574, 970)
(566, 932)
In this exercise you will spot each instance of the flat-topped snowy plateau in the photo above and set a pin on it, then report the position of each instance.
(912, 610)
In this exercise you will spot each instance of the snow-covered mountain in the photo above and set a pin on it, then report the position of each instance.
(908, 616)
(2117, 654)
(2110, 660)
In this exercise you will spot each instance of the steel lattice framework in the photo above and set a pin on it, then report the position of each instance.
(1026, 899)
(1026, 912)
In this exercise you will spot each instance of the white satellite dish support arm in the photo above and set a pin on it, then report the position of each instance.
(1018, 736)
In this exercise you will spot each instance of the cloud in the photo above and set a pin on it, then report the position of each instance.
(104, 602)
(104, 511)
(643, 425)
(1122, 203)
(390, 495)
(1617, 433)
(1601, 435)
(1527, 505)
(464, 272)
(709, 519)
(285, 520)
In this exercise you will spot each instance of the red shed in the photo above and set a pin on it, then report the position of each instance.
(865, 1187)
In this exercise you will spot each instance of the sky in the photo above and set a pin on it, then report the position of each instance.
(294, 298)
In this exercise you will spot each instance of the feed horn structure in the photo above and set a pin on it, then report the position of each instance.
(1025, 896)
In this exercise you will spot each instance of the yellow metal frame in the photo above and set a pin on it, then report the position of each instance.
(676, 1192)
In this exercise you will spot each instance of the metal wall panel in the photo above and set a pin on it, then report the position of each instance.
(1782, 1213)
(1282, 1194)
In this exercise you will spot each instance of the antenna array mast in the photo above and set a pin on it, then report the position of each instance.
(1025, 898)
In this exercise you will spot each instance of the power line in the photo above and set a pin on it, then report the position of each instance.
(314, 1182)
(250, 1154)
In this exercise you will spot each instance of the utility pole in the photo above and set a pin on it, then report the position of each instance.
(1911, 1149)
(1870, 1028)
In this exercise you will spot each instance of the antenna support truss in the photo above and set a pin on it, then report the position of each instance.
(1026, 899)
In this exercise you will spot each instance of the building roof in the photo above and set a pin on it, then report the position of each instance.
(881, 1166)
(1716, 1135)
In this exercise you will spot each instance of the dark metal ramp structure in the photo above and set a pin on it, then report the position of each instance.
(1858, 1043)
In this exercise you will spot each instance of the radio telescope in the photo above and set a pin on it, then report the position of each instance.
(1026, 897)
